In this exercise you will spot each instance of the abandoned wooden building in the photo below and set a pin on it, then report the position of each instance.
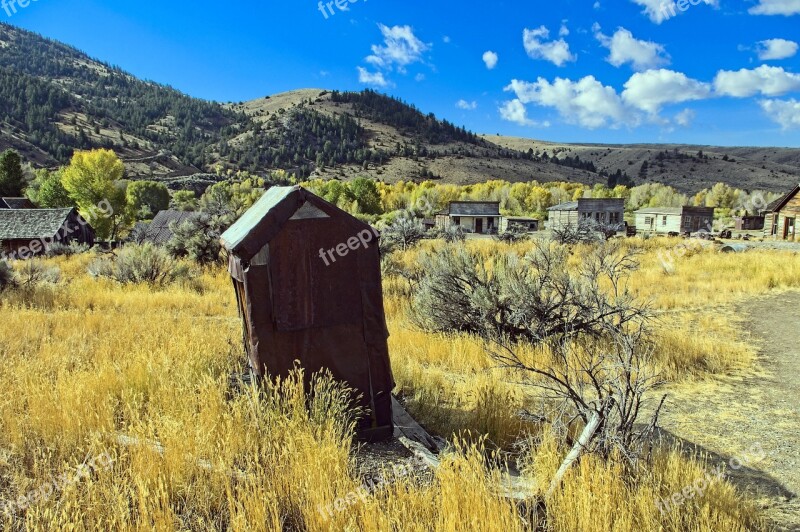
(159, 231)
(602, 211)
(519, 223)
(749, 223)
(25, 233)
(666, 220)
(781, 216)
(479, 217)
(308, 283)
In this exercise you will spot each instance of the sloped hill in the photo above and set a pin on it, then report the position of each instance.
(55, 99)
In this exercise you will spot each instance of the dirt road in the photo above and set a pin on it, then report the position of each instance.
(756, 413)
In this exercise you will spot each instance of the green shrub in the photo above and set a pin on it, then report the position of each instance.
(141, 264)
(34, 272)
(58, 249)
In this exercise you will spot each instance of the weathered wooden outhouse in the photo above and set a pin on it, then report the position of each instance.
(308, 283)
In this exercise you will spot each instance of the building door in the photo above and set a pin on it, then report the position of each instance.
(479, 225)
(788, 229)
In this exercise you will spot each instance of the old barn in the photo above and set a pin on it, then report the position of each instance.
(26, 233)
(308, 283)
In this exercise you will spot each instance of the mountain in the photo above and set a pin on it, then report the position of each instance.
(55, 99)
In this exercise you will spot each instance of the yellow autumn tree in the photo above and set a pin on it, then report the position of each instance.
(93, 180)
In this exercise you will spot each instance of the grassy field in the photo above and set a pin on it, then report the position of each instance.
(132, 382)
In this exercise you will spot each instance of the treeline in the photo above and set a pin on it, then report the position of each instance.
(405, 117)
(528, 199)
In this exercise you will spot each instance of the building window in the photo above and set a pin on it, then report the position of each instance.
(775, 224)
(663, 220)
(648, 220)
(687, 223)
(615, 217)
(457, 220)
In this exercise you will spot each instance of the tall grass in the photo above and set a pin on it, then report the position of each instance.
(86, 361)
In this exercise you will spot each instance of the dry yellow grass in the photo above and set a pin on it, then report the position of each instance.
(86, 360)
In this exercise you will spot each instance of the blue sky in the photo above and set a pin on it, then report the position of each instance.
(719, 72)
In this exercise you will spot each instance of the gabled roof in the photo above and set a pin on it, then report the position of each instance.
(16, 203)
(568, 206)
(264, 220)
(30, 224)
(474, 208)
(159, 232)
(779, 204)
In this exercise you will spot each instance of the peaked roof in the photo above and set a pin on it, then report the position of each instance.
(474, 208)
(24, 224)
(16, 203)
(264, 220)
(780, 203)
(158, 231)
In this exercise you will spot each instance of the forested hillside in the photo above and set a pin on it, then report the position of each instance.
(55, 99)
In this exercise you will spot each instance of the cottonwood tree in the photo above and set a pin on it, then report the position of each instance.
(591, 353)
(93, 180)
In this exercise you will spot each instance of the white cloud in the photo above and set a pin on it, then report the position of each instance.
(467, 106)
(660, 10)
(784, 112)
(764, 80)
(776, 7)
(446, 39)
(557, 52)
(585, 102)
(772, 49)
(515, 111)
(651, 90)
(563, 31)
(490, 58)
(400, 47)
(371, 78)
(685, 117)
(625, 48)
(596, 5)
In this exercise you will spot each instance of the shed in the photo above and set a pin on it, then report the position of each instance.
(749, 223)
(519, 223)
(25, 233)
(308, 285)
(159, 231)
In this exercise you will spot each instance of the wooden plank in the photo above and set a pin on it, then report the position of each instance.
(426, 447)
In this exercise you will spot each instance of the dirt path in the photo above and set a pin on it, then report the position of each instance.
(754, 417)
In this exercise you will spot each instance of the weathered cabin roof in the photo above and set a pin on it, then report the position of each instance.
(568, 206)
(16, 203)
(474, 208)
(158, 231)
(23, 224)
(779, 203)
